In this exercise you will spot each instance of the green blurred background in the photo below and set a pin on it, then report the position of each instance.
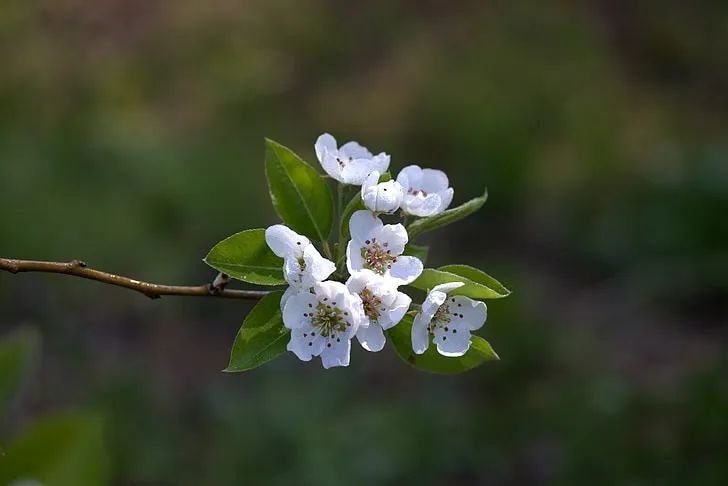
(131, 136)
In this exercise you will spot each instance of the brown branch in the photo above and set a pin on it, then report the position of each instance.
(154, 291)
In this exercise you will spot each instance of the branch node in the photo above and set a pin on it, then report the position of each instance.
(218, 285)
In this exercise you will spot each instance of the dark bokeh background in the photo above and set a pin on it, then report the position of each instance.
(131, 136)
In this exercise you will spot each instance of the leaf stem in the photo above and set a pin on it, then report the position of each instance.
(340, 206)
(327, 250)
(79, 268)
(340, 188)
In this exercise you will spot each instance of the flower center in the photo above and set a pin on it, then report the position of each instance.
(441, 318)
(372, 304)
(377, 258)
(342, 161)
(417, 192)
(329, 319)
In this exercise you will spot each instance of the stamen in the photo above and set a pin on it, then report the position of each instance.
(328, 320)
(376, 258)
(372, 304)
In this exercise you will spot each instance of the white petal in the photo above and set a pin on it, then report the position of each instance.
(405, 270)
(355, 151)
(293, 273)
(432, 302)
(452, 340)
(363, 226)
(358, 281)
(330, 289)
(380, 162)
(434, 181)
(447, 287)
(336, 353)
(371, 338)
(371, 181)
(317, 266)
(410, 177)
(473, 312)
(420, 336)
(325, 143)
(353, 313)
(422, 206)
(395, 237)
(396, 311)
(330, 163)
(383, 198)
(445, 199)
(304, 344)
(284, 241)
(356, 171)
(290, 292)
(354, 260)
(297, 312)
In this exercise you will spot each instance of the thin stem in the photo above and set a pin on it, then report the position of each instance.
(327, 250)
(405, 219)
(78, 268)
(340, 218)
(340, 207)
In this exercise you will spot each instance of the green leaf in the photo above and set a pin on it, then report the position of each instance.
(478, 285)
(433, 362)
(245, 256)
(450, 216)
(262, 338)
(300, 195)
(420, 252)
(18, 355)
(65, 450)
(356, 204)
(479, 277)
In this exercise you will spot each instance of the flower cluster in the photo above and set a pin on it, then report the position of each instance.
(324, 314)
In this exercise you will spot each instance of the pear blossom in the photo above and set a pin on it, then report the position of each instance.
(351, 163)
(323, 322)
(303, 264)
(378, 247)
(384, 307)
(449, 320)
(427, 191)
(385, 197)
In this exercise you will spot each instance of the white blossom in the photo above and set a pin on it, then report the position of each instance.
(385, 197)
(351, 163)
(378, 247)
(384, 307)
(303, 265)
(426, 191)
(449, 320)
(323, 322)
